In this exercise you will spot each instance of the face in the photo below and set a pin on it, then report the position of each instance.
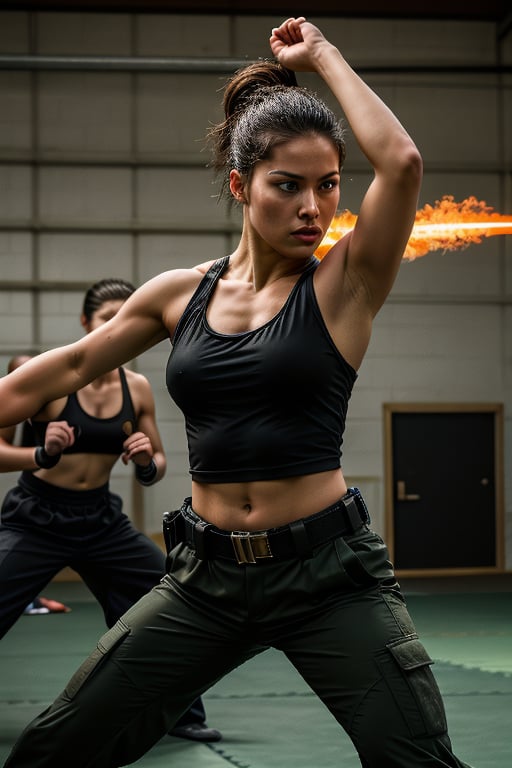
(292, 196)
(103, 314)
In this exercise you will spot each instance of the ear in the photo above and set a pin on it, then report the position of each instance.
(237, 186)
(84, 323)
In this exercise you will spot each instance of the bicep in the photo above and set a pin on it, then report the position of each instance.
(383, 227)
(123, 338)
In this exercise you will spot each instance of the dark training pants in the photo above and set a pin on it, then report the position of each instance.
(45, 528)
(338, 616)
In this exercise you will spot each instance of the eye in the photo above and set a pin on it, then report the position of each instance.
(329, 184)
(288, 186)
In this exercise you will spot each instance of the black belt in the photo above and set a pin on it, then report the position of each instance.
(297, 539)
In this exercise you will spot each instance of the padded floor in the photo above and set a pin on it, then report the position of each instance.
(268, 717)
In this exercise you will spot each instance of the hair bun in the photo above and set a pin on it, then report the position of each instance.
(248, 80)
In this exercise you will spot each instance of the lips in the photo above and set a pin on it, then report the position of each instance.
(307, 235)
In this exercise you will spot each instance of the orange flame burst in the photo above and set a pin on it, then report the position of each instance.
(444, 226)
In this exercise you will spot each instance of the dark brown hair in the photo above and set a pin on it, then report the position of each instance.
(264, 106)
(111, 288)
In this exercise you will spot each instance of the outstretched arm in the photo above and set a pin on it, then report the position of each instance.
(373, 251)
(135, 328)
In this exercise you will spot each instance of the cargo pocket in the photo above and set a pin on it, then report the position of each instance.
(353, 566)
(405, 666)
(106, 644)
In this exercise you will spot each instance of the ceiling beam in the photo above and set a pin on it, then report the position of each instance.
(490, 10)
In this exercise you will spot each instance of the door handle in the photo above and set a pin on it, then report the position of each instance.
(402, 495)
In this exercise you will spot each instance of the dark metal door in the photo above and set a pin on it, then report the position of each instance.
(444, 489)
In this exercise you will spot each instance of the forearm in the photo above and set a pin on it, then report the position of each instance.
(161, 465)
(40, 380)
(17, 459)
(379, 133)
(302, 47)
(58, 372)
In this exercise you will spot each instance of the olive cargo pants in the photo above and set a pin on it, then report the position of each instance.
(338, 616)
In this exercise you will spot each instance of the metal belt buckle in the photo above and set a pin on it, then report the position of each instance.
(250, 547)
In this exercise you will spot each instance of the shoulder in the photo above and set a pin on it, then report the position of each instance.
(167, 294)
(175, 281)
(140, 389)
(136, 380)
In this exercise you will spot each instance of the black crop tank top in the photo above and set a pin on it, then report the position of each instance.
(92, 434)
(263, 404)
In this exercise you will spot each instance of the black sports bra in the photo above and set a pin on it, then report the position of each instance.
(92, 434)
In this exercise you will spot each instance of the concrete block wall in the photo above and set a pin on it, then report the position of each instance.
(104, 173)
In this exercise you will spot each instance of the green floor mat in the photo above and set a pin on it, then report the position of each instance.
(268, 716)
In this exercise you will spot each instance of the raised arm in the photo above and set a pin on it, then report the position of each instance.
(373, 251)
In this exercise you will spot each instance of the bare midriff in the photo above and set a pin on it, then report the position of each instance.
(259, 505)
(79, 471)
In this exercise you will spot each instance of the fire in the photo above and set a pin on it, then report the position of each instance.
(444, 226)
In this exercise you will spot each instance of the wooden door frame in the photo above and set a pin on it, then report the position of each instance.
(497, 408)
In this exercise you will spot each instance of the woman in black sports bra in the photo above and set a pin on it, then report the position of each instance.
(62, 512)
(272, 549)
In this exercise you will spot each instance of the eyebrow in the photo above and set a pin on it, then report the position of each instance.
(291, 175)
